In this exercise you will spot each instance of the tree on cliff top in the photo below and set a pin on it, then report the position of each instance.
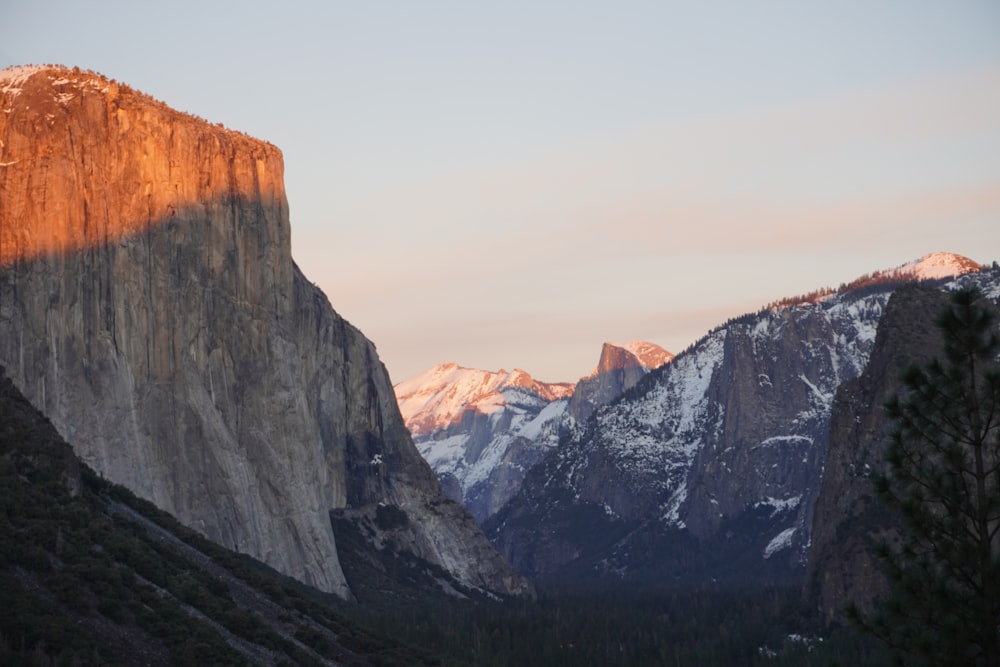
(943, 481)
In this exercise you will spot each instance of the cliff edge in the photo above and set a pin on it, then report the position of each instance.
(149, 305)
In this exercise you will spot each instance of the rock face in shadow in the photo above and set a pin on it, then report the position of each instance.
(849, 517)
(150, 307)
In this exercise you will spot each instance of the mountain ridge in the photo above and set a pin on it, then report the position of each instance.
(728, 439)
(437, 397)
(932, 266)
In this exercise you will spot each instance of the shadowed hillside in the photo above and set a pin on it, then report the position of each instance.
(89, 574)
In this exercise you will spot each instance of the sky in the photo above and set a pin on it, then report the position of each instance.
(510, 184)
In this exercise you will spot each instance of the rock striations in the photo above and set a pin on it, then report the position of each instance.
(150, 307)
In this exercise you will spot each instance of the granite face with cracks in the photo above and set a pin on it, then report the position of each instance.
(149, 305)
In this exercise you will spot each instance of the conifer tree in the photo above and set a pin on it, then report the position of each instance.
(943, 482)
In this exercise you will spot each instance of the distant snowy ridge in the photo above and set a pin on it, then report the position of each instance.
(440, 395)
(935, 266)
(481, 430)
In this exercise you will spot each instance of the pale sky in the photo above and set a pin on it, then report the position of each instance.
(509, 184)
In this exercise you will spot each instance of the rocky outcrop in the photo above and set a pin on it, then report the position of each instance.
(849, 519)
(150, 307)
(721, 448)
(619, 369)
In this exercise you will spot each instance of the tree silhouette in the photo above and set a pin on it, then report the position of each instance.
(943, 482)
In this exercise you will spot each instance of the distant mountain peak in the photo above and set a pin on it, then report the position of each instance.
(936, 265)
(933, 266)
(636, 353)
(440, 395)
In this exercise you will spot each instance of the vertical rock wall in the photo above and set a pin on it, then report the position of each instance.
(849, 518)
(150, 307)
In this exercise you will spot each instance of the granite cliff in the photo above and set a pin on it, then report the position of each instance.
(619, 368)
(149, 305)
(849, 518)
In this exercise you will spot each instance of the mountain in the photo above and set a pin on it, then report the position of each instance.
(849, 518)
(932, 267)
(481, 431)
(710, 466)
(619, 368)
(858, 425)
(151, 309)
(935, 266)
(440, 396)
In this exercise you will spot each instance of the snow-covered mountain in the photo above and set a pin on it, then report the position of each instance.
(481, 431)
(711, 466)
(934, 266)
(438, 397)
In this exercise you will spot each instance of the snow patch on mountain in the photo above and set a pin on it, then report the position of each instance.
(935, 266)
(481, 430)
(13, 78)
(779, 505)
(782, 540)
(649, 354)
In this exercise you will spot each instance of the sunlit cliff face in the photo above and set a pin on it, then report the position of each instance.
(121, 173)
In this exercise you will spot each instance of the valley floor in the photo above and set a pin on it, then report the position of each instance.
(763, 626)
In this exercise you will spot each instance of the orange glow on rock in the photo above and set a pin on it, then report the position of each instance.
(85, 161)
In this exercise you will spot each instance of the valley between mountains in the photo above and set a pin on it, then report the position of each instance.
(204, 463)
